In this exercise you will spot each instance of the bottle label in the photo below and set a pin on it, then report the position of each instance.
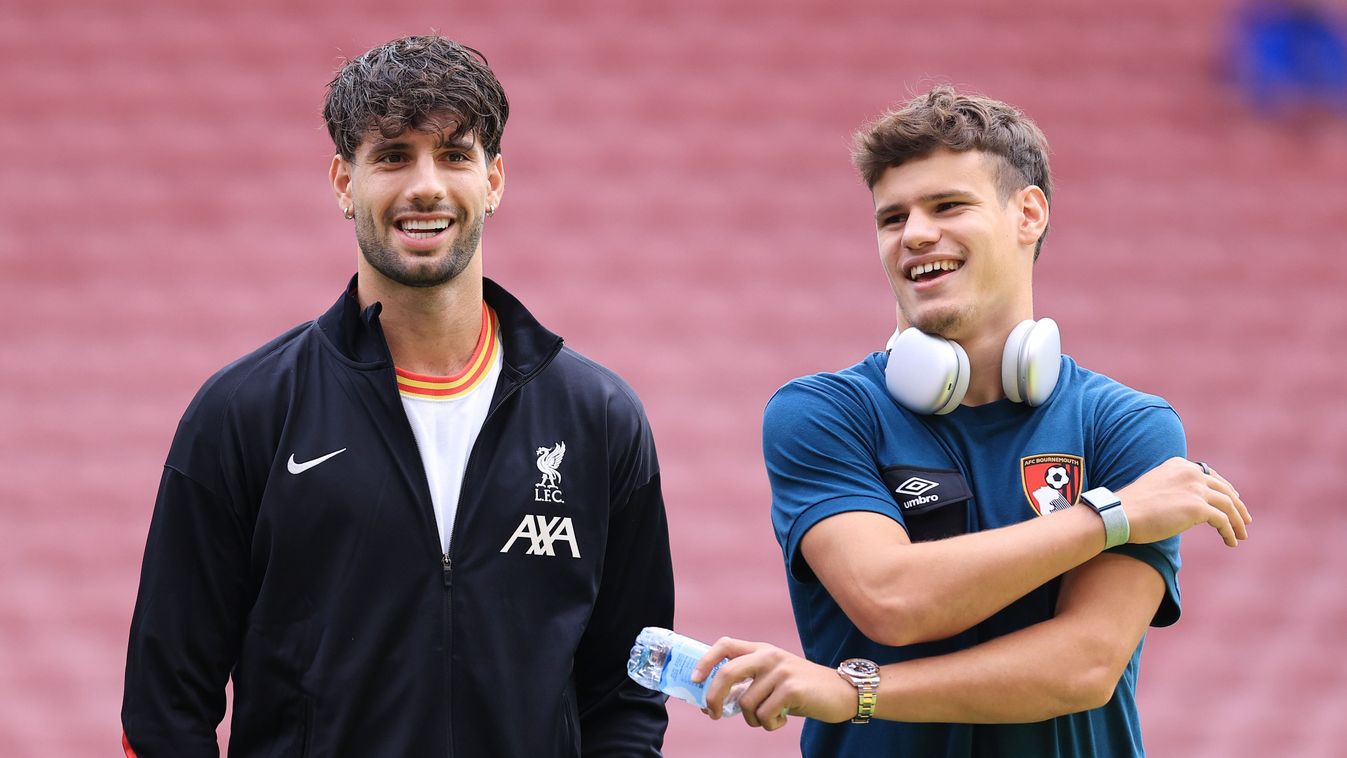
(677, 680)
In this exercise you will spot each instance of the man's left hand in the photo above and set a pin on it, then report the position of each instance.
(783, 684)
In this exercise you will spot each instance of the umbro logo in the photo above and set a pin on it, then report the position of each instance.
(543, 533)
(299, 468)
(915, 486)
(912, 489)
(918, 490)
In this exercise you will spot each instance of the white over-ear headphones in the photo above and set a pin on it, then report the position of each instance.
(928, 374)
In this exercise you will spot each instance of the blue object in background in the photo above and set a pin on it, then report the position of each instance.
(1291, 56)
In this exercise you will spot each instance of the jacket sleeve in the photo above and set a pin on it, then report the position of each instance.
(185, 627)
(618, 717)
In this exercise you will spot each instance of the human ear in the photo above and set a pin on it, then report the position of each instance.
(1033, 215)
(340, 176)
(495, 181)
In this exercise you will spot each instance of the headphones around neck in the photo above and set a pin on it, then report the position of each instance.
(929, 375)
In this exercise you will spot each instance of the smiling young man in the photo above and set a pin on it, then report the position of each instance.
(977, 531)
(419, 524)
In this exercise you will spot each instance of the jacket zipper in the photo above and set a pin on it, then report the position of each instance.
(463, 485)
(446, 569)
(447, 564)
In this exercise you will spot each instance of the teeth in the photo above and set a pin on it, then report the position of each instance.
(927, 268)
(434, 225)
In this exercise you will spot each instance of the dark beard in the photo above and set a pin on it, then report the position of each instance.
(419, 273)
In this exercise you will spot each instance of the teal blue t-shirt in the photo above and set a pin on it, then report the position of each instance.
(838, 442)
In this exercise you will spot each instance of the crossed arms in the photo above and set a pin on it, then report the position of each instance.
(900, 593)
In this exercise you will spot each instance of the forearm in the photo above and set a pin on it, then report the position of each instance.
(628, 721)
(1068, 663)
(145, 742)
(1041, 672)
(932, 590)
(617, 716)
(184, 635)
(1035, 674)
(1071, 662)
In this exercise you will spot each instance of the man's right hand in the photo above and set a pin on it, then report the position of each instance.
(1178, 495)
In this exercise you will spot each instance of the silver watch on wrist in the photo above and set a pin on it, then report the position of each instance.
(864, 676)
(1110, 508)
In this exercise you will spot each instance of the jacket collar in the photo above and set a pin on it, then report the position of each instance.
(357, 333)
(529, 346)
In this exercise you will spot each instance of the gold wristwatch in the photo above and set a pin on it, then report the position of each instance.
(864, 676)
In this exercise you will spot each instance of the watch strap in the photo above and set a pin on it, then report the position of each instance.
(1117, 530)
(866, 684)
(866, 699)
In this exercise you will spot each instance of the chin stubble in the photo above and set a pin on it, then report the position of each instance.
(381, 257)
(939, 323)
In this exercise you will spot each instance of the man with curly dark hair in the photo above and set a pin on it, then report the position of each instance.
(419, 524)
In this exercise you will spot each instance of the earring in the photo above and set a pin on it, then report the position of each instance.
(491, 210)
(348, 212)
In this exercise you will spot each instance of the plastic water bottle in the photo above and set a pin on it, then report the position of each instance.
(663, 660)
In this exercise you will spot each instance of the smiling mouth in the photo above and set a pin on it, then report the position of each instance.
(927, 272)
(423, 230)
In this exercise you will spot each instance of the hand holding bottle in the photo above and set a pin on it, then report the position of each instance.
(664, 660)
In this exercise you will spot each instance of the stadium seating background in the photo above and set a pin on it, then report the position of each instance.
(680, 207)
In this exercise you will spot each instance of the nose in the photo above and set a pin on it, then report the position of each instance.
(426, 186)
(919, 230)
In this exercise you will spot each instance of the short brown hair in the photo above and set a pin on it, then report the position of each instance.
(943, 118)
(414, 82)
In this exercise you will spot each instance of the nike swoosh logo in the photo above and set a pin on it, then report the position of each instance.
(299, 468)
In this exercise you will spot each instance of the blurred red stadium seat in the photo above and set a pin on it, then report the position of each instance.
(680, 207)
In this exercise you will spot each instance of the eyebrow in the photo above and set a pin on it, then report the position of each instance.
(462, 143)
(384, 145)
(934, 197)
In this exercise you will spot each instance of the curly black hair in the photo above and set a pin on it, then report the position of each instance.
(425, 83)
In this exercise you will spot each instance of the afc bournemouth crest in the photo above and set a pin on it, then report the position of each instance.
(1051, 481)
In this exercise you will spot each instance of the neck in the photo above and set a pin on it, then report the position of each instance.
(984, 359)
(431, 330)
(985, 351)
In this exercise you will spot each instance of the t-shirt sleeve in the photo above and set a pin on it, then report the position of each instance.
(817, 445)
(1131, 445)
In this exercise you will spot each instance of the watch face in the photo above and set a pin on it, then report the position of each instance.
(1101, 499)
(859, 667)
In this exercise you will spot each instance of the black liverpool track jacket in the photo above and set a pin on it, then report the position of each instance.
(322, 588)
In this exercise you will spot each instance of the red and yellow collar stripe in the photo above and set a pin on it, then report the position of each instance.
(450, 387)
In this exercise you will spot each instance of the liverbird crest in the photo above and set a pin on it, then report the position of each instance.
(549, 459)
